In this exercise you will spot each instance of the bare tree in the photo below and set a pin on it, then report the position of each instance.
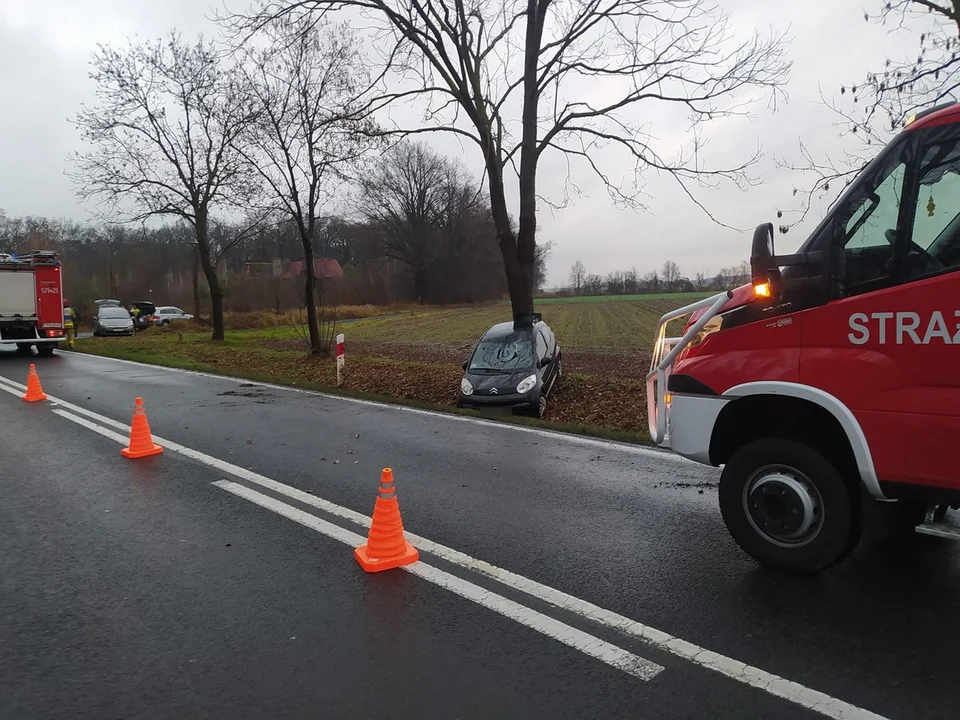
(401, 198)
(472, 68)
(303, 87)
(651, 282)
(540, 266)
(593, 284)
(702, 280)
(670, 273)
(163, 130)
(424, 206)
(578, 274)
(872, 110)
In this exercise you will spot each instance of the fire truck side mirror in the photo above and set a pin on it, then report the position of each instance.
(764, 272)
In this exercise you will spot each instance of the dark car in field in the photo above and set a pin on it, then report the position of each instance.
(515, 365)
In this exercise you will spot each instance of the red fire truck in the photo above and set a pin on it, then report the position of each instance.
(836, 369)
(31, 302)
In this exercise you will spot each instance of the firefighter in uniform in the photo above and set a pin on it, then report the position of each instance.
(69, 322)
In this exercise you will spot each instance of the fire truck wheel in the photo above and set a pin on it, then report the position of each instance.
(45, 350)
(23, 348)
(787, 506)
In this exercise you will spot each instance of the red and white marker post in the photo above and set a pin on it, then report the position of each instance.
(340, 360)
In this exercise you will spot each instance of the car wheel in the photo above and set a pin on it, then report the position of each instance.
(787, 506)
(541, 407)
(164, 323)
(559, 367)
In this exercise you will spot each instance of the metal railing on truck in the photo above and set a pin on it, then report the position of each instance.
(665, 351)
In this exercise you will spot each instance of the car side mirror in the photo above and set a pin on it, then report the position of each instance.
(546, 361)
(464, 364)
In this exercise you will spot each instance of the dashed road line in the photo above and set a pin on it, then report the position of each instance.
(585, 643)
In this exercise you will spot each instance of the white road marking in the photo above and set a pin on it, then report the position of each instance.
(12, 391)
(661, 455)
(748, 675)
(588, 644)
(122, 439)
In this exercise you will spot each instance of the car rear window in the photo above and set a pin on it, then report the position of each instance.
(503, 355)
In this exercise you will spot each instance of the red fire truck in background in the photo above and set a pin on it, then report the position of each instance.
(31, 302)
(836, 369)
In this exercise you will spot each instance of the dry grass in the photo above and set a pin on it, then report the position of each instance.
(620, 326)
(415, 356)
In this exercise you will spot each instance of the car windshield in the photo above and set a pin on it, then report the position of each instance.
(507, 354)
(113, 313)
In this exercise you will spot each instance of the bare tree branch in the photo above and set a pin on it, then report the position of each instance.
(161, 137)
(870, 112)
(526, 77)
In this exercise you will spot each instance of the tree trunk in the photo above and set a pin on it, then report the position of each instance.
(111, 272)
(519, 279)
(310, 296)
(210, 272)
(196, 283)
(419, 283)
(525, 246)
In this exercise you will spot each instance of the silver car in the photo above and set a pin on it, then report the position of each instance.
(166, 313)
(112, 320)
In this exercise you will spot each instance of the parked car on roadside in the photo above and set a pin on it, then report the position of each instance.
(106, 302)
(167, 313)
(112, 320)
(514, 365)
(144, 315)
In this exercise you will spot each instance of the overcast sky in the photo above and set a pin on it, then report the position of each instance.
(45, 48)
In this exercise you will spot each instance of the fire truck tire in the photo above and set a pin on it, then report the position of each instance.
(787, 506)
(45, 350)
(23, 348)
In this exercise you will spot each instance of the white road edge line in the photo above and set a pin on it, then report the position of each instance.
(748, 675)
(566, 437)
(13, 391)
(122, 439)
(590, 645)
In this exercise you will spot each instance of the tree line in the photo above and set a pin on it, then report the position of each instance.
(418, 231)
(668, 279)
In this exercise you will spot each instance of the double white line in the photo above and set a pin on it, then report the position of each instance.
(577, 639)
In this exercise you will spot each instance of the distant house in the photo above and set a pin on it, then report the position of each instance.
(323, 269)
(262, 269)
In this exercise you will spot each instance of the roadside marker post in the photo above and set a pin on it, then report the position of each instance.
(340, 360)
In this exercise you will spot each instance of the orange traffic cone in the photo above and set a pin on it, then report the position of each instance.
(34, 391)
(386, 547)
(141, 442)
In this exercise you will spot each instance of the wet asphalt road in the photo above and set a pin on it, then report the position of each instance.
(119, 593)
